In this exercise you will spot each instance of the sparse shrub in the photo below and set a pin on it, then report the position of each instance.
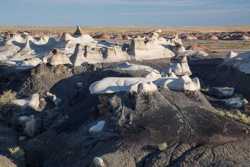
(7, 109)
(238, 116)
(6, 98)
(17, 153)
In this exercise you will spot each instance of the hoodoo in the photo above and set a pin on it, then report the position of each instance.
(78, 32)
(179, 65)
(149, 48)
(78, 57)
(58, 59)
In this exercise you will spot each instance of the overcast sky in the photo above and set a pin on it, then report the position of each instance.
(125, 12)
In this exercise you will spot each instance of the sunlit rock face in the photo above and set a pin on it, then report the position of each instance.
(58, 59)
(149, 83)
(150, 48)
(232, 54)
(20, 48)
(179, 66)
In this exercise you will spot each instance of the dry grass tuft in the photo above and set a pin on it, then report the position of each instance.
(6, 98)
(238, 116)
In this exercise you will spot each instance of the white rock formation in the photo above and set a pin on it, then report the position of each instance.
(9, 49)
(78, 56)
(16, 38)
(17, 50)
(34, 101)
(220, 92)
(112, 85)
(195, 53)
(42, 41)
(153, 75)
(97, 128)
(32, 62)
(180, 69)
(235, 102)
(114, 54)
(148, 49)
(58, 59)
(191, 37)
(232, 54)
(94, 54)
(176, 41)
(184, 83)
(179, 66)
(143, 87)
(240, 62)
(245, 38)
(214, 38)
(98, 162)
(132, 67)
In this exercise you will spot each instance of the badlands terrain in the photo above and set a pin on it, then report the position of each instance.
(117, 97)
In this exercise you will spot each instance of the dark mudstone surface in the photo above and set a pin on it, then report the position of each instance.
(135, 125)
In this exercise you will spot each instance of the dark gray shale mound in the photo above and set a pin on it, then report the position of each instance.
(137, 125)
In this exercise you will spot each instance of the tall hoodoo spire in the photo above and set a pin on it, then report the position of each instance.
(78, 31)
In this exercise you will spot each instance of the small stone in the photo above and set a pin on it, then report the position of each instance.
(22, 138)
(97, 128)
(98, 162)
(79, 84)
(162, 146)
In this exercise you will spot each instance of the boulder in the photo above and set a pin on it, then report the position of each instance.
(235, 102)
(184, 83)
(232, 54)
(245, 38)
(240, 62)
(221, 92)
(148, 49)
(97, 128)
(179, 65)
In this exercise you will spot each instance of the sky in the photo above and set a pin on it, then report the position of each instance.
(124, 12)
